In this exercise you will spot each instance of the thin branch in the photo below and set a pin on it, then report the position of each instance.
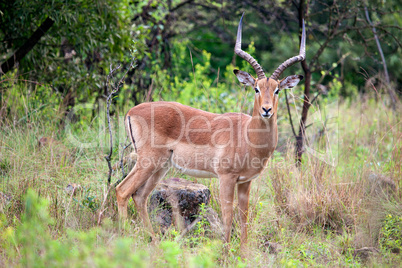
(378, 44)
(111, 91)
(295, 4)
(344, 56)
(180, 5)
(326, 73)
(390, 34)
(330, 36)
(122, 161)
(102, 209)
(384, 63)
(290, 115)
(108, 102)
(315, 97)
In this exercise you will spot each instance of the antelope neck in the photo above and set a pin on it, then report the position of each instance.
(263, 131)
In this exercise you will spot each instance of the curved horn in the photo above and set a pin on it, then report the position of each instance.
(293, 60)
(245, 55)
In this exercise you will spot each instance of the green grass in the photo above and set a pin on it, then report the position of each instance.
(319, 214)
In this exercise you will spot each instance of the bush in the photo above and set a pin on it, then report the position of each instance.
(391, 234)
(34, 242)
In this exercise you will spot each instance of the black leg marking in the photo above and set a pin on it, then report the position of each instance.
(131, 133)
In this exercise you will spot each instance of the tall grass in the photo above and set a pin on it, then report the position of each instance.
(318, 214)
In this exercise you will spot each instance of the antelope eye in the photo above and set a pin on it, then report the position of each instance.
(256, 90)
(276, 91)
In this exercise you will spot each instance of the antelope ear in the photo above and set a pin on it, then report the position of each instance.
(290, 81)
(244, 77)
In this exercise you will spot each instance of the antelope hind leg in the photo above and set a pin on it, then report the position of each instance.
(137, 177)
(140, 198)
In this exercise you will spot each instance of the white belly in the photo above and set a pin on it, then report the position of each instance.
(194, 172)
(243, 179)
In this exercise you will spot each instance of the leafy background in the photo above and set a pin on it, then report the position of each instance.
(183, 49)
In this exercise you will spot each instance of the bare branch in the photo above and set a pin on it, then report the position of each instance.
(384, 63)
(290, 115)
(111, 91)
(390, 34)
(344, 56)
(378, 45)
(122, 161)
(315, 97)
(180, 5)
(330, 36)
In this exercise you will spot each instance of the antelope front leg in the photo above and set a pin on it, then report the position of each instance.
(226, 192)
(243, 194)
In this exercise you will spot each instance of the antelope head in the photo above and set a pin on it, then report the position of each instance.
(267, 89)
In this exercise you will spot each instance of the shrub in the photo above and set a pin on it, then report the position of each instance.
(391, 234)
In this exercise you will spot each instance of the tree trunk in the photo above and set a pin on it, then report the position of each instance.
(27, 46)
(306, 100)
(306, 106)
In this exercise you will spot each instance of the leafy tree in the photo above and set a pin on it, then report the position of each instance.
(74, 53)
(174, 38)
(340, 43)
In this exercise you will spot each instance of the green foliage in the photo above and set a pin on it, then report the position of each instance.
(196, 88)
(33, 240)
(88, 199)
(100, 37)
(25, 103)
(188, 62)
(391, 233)
(33, 235)
(350, 90)
(4, 167)
(165, 33)
(198, 236)
(315, 220)
(171, 252)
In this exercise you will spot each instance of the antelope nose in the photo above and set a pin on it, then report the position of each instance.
(267, 110)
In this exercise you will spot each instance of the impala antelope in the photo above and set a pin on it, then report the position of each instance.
(232, 147)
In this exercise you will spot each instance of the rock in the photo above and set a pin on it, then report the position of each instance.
(365, 252)
(72, 188)
(215, 224)
(273, 248)
(46, 141)
(178, 200)
(4, 200)
(163, 218)
(211, 224)
(381, 185)
(57, 150)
